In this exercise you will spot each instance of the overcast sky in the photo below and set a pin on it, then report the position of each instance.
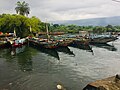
(65, 9)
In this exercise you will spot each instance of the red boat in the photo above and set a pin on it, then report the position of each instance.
(19, 42)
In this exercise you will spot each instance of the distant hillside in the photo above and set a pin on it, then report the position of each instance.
(94, 21)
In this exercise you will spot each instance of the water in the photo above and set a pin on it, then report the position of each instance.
(29, 68)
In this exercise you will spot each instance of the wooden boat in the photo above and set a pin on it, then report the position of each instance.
(62, 40)
(50, 51)
(101, 39)
(65, 50)
(79, 42)
(17, 42)
(106, 46)
(43, 43)
(82, 44)
(50, 44)
(64, 43)
(4, 43)
(110, 83)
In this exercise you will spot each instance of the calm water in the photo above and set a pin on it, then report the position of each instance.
(37, 69)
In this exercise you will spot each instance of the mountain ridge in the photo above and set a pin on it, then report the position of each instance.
(115, 20)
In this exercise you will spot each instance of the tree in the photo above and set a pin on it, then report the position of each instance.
(110, 28)
(22, 8)
(35, 24)
(99, 29)
(21, 24)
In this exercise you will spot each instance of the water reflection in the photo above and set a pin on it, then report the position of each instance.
(83, 47)
(65, 50)
(106, 46)
(72, 72)
(25, 61)
(51, 52)
(5, 53)
(24, 57)
(17, 50)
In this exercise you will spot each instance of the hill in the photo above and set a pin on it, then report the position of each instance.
(93, 21)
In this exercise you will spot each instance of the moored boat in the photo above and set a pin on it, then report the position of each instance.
(17, 42)
(79, 42)
(110, 83)
(50, 44)
(4, 43)
(64, 43)
(101, 39)
(43, 43)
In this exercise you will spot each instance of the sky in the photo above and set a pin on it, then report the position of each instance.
(54, 10)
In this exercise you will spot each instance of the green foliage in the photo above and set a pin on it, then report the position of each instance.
(25, 26)
(76, 29)
(70, 28)
(110, 28)
(20, 23)
(98, 29)
(22, 8)
(34, 23)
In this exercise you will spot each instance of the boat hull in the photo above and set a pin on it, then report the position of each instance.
(5, 45)
(102, 40)
(19, 43)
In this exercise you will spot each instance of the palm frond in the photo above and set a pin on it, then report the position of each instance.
(22, 8)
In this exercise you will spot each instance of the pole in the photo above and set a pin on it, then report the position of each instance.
(47, 30)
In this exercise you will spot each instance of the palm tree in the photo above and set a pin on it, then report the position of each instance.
(22, 8)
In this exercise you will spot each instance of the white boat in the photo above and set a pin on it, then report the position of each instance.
(18, 42)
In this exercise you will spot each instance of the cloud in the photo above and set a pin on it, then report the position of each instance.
(65, 9)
